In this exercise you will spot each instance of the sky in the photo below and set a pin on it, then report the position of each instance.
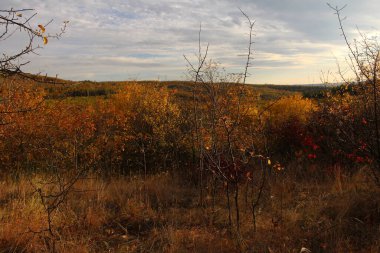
(295, 40)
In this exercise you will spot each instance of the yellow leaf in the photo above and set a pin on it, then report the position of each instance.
(19, 15)
(42, 28)
(45, 40)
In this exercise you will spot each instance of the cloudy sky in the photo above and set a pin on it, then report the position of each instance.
(131, 39)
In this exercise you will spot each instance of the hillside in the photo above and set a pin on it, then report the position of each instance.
(165, 167)
(59, 88)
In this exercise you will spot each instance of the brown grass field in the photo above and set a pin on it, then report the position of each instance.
(160, 214)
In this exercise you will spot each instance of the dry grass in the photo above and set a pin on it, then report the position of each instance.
(162, 215)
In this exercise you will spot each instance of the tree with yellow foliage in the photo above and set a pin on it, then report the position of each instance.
(286, 122)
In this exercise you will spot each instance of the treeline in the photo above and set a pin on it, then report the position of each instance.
(147, 127)
(58, 88)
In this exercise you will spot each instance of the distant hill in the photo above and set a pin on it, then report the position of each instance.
(59, 88)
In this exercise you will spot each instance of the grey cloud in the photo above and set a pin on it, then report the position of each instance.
(113, 39)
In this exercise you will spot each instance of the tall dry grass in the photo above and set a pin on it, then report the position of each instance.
(161, 214)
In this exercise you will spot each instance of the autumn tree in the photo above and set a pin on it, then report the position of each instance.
(224, 124)
(287, 121)
(358, 124)
(150, 125)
